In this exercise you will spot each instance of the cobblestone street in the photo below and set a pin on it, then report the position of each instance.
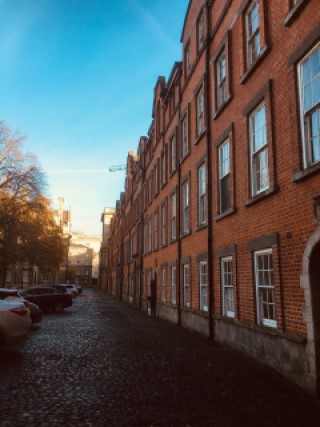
(104, 363)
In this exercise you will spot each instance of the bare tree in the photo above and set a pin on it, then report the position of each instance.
(20, 173)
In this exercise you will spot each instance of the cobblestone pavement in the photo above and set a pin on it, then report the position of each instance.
(104, 363)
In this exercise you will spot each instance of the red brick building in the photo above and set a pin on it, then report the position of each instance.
(218, 229)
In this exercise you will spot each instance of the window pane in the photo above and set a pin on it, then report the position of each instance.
(224, 158)
(315, 63)
(225, 193)
(315, 135)
(316, 91)
(307, 97)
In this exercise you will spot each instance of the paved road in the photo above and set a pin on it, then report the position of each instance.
(104, 363)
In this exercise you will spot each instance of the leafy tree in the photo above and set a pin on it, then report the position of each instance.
(28, 232)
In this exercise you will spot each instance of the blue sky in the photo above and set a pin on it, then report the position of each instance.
(77, 78)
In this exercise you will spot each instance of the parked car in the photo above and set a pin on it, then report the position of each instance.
(47, 298)
(80, 290)
(61, 288)
(71, 288)
(14, 322)
(12, 295)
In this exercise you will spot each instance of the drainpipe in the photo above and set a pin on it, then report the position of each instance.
(211, 295)
(178, 268)
(141, 233)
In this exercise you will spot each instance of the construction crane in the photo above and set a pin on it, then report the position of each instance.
(117, 168)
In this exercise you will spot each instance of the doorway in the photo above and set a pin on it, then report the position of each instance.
(314, 275)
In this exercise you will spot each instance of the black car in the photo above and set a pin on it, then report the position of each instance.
(35, 312)
(48, 299)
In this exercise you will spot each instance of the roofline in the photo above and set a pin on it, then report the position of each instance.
(185, 21)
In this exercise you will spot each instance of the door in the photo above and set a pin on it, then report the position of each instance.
(154, 295)
(314, 272)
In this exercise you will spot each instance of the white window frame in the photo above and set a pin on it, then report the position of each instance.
(164, 224)
(173, 285)
(156, 179)
(221, 79)
(200, 33)
(310, 114)
(186, 285)
(173, 153)
(227, 286)
(259, 152)
(224, 173)
(184, 136)
(264, 278)
(203, 285)
(202, 194)
(150, 235)
(155, 230)
(200, 112)
(253, 37)
(173, 216)
(163, 168)
(185, 206)
(149, 275)
(188, 60)
(163, 284)
(145, 229)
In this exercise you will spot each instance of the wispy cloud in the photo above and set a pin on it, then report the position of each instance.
(13, 33)
(151, 21)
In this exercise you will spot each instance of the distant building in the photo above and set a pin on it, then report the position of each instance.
(63, 219)
(83, 259)
(106, 217)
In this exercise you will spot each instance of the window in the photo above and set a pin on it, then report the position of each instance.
(200, 112)
(187, 61)
(259, 150)
(266, 307)
(173, 216)
(309, 84)
(224, 176)
(252, 33)
(164, 224)
(163, 284)
(185, 142)
(186, 297)
(149, 283)
(146, 237)
(221, 79)
(173, 285)
(150, 197)
(156, 178)
(200, 33)
(202, 194)
(173, 149)
(155, 231)
(150, 235)
(163, 168)
(134, 243)
(203, 277)
(185, 207)
(227, 287)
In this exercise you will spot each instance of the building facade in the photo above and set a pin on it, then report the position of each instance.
(218, 227)
(106, 217)
(83, 259)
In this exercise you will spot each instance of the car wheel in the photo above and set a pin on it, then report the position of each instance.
(58, 308)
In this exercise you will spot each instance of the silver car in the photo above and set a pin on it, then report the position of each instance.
(15, 322)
